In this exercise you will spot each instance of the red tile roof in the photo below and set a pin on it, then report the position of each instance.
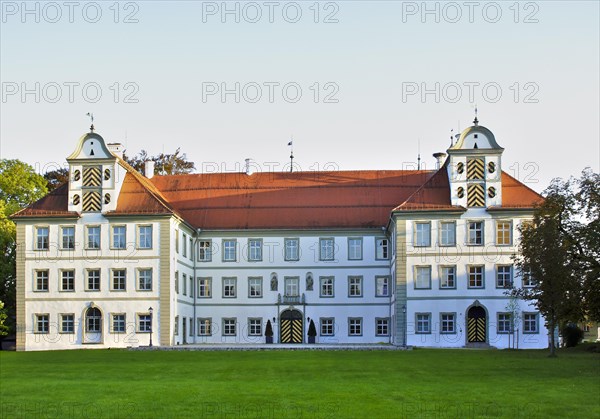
(55, 204)
(353, 199)
(300, 200)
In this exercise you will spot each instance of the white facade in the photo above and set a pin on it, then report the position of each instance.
(92, 276)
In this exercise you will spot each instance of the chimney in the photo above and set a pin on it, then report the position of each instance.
(116, 149)
(149, 169)
(440, 157)
(248, 167)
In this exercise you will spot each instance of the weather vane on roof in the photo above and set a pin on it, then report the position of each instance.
(475, 121)
(91, 115)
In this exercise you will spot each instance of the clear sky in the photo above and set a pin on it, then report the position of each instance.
(359, 84)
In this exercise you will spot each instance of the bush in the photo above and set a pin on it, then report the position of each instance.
(572, 335)
(312, 330)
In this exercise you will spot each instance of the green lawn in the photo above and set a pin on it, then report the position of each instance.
(411, 384)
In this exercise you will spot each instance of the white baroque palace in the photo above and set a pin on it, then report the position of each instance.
(404, 257)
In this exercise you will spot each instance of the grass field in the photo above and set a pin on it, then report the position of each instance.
(294, 384)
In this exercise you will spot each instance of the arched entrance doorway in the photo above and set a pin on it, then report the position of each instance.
(476, 325)
(290, 326)
(92, 328)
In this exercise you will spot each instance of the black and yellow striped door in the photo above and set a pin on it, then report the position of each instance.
(476, 324)
(291, 326)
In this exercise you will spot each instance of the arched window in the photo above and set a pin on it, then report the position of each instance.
(93, 320)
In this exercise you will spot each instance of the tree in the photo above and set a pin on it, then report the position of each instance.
(514, 310)
(165, 164)
(57, 177)
(3, 316)
(19, 187)
(559, 250)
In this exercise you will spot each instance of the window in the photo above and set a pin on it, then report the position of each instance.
(177, 282)
(292, 287)
(423, 234)
(475, 276)
(118, 323)
(42, 323)
(254, 250)
(254, 327)
(176, 241)
(41, 280)
(204, 326)
(191, 322)
(354, 248)
(355, 286)
(503, 233)
(191, 287)
(326, 249)
(326, 286)
(229, 285)
(184, 284)
(204, 287)
(204, 251)
(93, 320)
(67, 323)
(448, 277)
(382, 327)
(144, 323)
(423, 277)
(191, 251)
(381, 250)
(93, 237)
(327, 324)
(382, 287)
(504, 276)
(145, 237)
(176, 326)
(355, 326)
(145, 279)
(292, 247)
(255, 287)
(119, 237)
(528, 280)
(530, 323)
(423, 323)
(475, 233)
(68, 237)
(448, 323)
(119, 279)
(229, 327)
(42, 235)
(447, 233)
(67, 282)
(504, 323)
(229, 250)
(184, 245)
(93, 280)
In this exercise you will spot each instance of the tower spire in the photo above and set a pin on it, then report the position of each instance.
(91, 115)
(291, 144)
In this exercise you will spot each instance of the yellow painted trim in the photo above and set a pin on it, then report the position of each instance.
(21, 287)
(165, 283)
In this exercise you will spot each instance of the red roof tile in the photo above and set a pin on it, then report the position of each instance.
(300, 200)
(433, 195)
(352, 199)
(55, 204)
(517, 195)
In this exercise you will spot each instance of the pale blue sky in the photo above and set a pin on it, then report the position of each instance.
(372, 55)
